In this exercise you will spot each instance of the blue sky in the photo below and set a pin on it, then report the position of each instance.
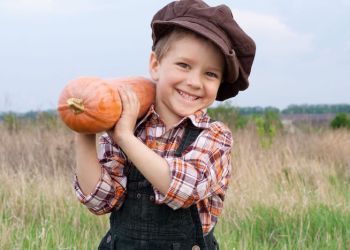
(303, 48)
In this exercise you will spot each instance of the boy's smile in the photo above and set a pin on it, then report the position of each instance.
(188, 77)
(187, 96)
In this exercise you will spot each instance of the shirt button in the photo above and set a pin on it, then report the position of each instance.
(151, 198)
(109, 238)
(195, 247)
(138, 196)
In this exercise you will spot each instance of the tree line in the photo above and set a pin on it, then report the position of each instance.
(257, 110)
(298, 109)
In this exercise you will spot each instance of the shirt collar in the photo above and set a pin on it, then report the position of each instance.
(199, 119)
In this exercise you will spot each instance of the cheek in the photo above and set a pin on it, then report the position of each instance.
(162, 89)
(213, 90)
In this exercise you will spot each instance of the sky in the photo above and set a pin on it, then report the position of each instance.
(302, 57)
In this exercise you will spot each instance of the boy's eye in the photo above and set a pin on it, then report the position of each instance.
(211, 74)
(183, 65)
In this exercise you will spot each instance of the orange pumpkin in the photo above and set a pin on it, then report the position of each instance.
(91, 105)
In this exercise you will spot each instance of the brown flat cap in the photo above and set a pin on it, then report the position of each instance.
(216, 24)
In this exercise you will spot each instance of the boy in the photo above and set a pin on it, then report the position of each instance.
(164, 178)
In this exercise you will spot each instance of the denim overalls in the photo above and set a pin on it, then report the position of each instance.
(141, 224)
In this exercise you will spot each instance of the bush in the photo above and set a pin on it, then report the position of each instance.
(341, 120)
(268, 126)
(228, 114)
(11, 122)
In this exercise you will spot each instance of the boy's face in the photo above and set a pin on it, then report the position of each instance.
(188, 77)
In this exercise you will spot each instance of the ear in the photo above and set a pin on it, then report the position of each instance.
(154, 66)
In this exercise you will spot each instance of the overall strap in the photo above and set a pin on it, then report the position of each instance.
(190, 135)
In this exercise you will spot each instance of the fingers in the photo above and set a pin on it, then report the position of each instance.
(126, 95)
(130, 111)
(130, 101)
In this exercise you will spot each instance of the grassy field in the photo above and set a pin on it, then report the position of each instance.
(293, 194)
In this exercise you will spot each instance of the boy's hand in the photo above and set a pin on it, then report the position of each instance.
(127, 121)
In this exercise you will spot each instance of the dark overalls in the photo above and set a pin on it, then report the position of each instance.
(141, 224)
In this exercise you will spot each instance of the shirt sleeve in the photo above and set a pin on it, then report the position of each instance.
(203, 170)
(110, 189)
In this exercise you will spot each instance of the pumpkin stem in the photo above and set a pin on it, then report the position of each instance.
(76, 105)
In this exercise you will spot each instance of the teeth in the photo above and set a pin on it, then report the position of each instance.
(187, 96)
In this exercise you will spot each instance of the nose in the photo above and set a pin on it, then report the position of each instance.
(194, 80)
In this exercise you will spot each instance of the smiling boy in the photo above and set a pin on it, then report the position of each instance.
(164, 178)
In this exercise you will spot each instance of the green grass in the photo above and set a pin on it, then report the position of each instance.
(317, 227)
(71, 226)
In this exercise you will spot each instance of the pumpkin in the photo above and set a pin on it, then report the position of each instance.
(91, 105)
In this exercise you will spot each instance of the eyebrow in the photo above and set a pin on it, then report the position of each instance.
(221, 70)
(186, 59)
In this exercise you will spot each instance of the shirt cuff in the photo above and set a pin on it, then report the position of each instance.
(181, 192)
(99, 200)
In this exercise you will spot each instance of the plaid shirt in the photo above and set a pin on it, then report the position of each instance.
(201, 175)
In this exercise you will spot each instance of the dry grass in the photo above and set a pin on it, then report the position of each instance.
(37, 162)
(296, 171)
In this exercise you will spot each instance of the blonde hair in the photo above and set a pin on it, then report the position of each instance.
(164, 44)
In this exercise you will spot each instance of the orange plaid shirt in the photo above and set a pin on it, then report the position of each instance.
(201, 175)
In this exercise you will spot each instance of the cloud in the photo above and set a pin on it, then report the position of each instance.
(32, 7)
(273, 37)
